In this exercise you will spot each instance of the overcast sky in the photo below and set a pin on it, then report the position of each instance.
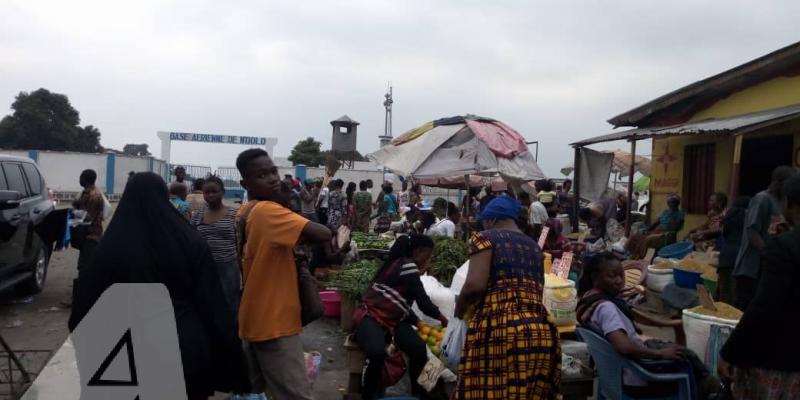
(555, 71)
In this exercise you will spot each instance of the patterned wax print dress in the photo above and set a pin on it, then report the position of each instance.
(511, 350)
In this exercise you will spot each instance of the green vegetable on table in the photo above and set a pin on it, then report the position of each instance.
(370, 241)
(448, 255)
(354, 279)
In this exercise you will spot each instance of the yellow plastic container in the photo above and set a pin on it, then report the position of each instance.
(548, 262)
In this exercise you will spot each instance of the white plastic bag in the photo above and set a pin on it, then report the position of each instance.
(453, 343)
(459, 278)
(312, 361)
(440, 295)
(106, 207)
(431, 372)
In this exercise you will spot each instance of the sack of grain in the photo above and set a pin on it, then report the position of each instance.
(697, 323)
(560, 299)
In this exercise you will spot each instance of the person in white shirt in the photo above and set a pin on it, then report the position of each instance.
(538, 216)
(403, 196)
(447, 226)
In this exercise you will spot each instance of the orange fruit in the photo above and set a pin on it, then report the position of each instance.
(425, 330)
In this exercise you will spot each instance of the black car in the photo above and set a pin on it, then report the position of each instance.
(27, 225)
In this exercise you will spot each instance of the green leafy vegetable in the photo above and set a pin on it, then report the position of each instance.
(354, 279)
(448, 255)
(370, 241)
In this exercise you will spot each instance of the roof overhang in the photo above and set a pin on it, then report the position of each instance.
(688, 99)
(739, 124)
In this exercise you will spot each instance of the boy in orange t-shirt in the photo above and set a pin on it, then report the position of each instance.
(269, 312)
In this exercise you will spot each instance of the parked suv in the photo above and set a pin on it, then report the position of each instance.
(25, 244)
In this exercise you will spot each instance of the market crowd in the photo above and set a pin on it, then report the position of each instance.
(233, 276)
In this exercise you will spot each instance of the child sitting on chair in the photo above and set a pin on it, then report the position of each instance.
(603, 311)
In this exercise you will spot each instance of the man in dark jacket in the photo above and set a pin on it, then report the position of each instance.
(760, 357)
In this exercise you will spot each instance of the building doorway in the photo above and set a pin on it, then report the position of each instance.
(760, 156)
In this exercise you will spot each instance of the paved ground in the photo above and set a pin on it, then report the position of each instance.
(40, 323)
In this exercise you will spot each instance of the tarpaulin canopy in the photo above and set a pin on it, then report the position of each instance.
(458, 146)
(620, 164)
(457, 182)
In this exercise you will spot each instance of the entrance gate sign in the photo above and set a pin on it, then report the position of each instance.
(203, 137)
(167, 137)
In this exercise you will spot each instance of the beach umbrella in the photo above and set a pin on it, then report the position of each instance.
(460, 146)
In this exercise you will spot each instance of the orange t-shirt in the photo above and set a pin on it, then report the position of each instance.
(270, 305)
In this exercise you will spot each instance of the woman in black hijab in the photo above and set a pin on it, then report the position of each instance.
(148, 241)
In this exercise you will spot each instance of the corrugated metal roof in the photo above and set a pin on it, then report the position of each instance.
(785, 60)
(737, 124)
(622, 135)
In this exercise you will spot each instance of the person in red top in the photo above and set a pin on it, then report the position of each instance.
(386, 309)
(556, 243)
(269, 311)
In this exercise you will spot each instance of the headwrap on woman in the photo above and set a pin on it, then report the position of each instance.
(501, 207)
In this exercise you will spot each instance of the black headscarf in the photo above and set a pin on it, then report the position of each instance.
(148, 241)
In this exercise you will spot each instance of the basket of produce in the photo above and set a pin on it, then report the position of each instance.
(432, 336)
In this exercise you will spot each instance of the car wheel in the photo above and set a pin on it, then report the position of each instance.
(35, 283)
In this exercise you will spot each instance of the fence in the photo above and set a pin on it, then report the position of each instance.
(61, 169)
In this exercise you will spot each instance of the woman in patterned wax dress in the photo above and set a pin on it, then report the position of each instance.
(337, 206)
(511, 350)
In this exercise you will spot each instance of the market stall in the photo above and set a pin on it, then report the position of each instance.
(457, 152)
(460, 146)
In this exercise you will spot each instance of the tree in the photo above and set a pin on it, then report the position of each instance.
(307, 152)
(138, 150)
(47, 121)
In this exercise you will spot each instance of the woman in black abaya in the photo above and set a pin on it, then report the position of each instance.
(148, 241)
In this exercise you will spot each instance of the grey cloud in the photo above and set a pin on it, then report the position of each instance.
(553, 70)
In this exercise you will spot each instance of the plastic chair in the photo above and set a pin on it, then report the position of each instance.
(610, 364)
